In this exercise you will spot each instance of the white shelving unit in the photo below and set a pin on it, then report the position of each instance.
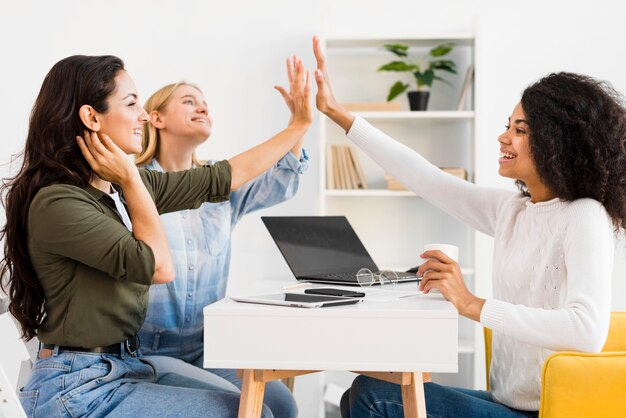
(428, 115)
(394, 225)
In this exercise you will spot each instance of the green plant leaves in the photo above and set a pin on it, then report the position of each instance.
(396, 89)
(445, 65)
(398, 49)
(425, 78)
(441, 50)
(398, 66)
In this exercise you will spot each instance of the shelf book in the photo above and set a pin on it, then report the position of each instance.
(343, 169)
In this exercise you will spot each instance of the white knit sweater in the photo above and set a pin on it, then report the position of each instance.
(552, 266)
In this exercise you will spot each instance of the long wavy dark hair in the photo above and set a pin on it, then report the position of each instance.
(577, 136)
(51, 155)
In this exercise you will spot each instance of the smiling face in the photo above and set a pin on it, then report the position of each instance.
(515, 158)
(123, 121)
(186, 115)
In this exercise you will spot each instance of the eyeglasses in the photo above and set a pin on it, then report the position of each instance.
(366, 278)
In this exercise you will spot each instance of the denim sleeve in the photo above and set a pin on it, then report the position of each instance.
(276, 185)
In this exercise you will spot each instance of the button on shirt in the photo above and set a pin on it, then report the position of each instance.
(200, 242)
(94, 273)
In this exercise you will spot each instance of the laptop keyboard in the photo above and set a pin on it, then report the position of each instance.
(351, 277)
(344, 277)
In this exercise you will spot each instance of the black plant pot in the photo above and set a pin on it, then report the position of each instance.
(418, 100)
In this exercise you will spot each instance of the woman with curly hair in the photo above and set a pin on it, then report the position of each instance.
(554, 239)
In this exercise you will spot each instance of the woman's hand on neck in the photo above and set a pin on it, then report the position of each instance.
(109, 163)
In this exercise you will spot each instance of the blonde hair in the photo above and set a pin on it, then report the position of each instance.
(151, 137)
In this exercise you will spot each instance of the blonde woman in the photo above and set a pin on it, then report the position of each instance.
(200, 240)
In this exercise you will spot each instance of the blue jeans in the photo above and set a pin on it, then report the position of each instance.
(277, 397)
(72, 384)
(368, 397)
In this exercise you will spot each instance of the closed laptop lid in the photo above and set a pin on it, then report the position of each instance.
(314, 245)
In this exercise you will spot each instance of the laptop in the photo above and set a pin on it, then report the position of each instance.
(323, 249)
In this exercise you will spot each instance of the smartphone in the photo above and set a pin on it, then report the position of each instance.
(329, 291)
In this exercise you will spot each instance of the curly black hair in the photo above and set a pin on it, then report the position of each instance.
(577, 134)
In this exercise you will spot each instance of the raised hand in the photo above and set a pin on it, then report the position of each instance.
(298, 99)
(325, 99)
(106, 159)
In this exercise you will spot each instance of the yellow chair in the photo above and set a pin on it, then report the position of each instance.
(581, 384)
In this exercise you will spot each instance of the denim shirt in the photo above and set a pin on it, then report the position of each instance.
(200, 243)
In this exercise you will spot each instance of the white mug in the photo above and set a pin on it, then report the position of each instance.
(451, 251)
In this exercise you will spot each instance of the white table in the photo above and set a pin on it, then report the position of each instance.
(391, 339)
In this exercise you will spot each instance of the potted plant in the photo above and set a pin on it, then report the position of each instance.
(424, 71)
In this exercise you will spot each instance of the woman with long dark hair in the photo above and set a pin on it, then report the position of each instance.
(564, 145)
(83, 242)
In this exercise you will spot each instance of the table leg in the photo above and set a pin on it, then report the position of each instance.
(412, 386)
(413, 397)
(252, 391)
(253, 388)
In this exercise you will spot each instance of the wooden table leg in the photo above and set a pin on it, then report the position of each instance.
(252, 391)
(253, 388)
(412, 386)
(413, 397)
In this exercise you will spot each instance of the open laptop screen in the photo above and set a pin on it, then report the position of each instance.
(318, 244)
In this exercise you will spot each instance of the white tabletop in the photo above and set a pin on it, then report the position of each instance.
(400, 330)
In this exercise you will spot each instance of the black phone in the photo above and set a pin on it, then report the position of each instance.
(329, 291)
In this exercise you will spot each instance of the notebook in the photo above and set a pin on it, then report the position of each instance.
(323, 249)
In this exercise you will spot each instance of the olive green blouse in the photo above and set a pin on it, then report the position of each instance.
(95, 274)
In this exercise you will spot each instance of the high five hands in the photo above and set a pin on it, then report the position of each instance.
(325, 99)
(298, 98)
